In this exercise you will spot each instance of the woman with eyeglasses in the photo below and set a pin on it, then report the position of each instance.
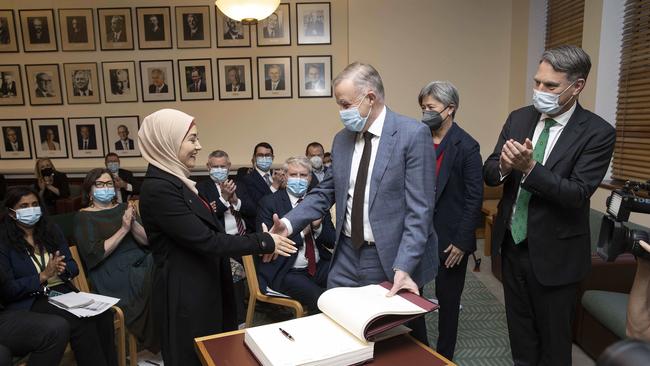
(114, 248)
(36, 261)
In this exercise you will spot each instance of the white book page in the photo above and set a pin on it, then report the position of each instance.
(354, 307)
(99, 305)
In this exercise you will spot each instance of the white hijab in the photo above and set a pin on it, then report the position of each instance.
(160, 138)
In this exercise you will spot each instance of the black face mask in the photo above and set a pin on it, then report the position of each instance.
(47, 172)
(433, 119)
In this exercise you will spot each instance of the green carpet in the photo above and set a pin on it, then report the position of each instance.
(482, 330)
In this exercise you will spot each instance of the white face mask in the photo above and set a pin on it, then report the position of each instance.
(549, 103)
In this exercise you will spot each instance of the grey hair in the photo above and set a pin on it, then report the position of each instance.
(297, 160)
(364, 77)
(218, 154)
(442, 91)
(572, 60)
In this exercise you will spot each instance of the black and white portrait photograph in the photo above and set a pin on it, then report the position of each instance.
(274, 77)
(193, 26)
(157, 81)
(82, 83)
(235, 78)
(275, 30)
(44, 84)
(231, 33)
(115, 31)
(195, 79)
(77, 29)
(313, 22)
(122, 135)
(11, 88)
(119, 82)
(49, 138)
(86, 137)
(314, 76)
(8, 41)
(154, 28)
(38, 30)
(15, 139)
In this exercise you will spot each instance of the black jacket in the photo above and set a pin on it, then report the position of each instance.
(209, 191)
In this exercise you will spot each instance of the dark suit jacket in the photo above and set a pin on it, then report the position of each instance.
(60, 181)
(77, 37)
(459, 192)
(202, 87)
(127, 176)
(271, 274)
(192, 284)
(164, 89)
(120, 38)
(41, 93)
(92, 143)
(44, 38)
(189, 36)
(242, 87)
(154, 35)
(77, 93)
(10, 147)
(21, 274)
(248, 209)
(558, 211)
(314, 179)
(268, 84)
(256, 187)
(118, 144)
(8, 89)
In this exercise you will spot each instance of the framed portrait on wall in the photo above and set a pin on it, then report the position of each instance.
(275, 30)
(15, 139)
(193, 27)
(120, 84)
(86, 137)
(77, 29)
(122, 135)
(82, 83)
(44, 84)
(313, 23)
(195, 79)
(115, 30)
(49, 138)
(157, 79)
(235, 78)
(314, 76)
(274, 77)
(11, 85)
(8, 38)
(231, 33)
(39, 34)
(154, 27)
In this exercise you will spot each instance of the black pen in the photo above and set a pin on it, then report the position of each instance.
(286, 334)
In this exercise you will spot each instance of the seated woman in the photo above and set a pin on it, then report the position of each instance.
(110, 241)
(50, 184)
(36, 260)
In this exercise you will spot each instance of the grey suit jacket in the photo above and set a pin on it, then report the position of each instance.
(401, 197)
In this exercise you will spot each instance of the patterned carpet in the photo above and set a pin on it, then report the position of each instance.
(482, 329)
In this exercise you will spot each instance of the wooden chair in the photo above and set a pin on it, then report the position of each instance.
(257, 295)
(81, 282)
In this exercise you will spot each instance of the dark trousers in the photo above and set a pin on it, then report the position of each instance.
(449, 287)
(539, 317)
(43, 337)
(353, 268)
(92, 339)
(298, 284)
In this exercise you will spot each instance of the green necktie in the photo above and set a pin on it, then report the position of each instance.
(519, 223)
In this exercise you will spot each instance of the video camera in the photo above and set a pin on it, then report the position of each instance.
(616, 238)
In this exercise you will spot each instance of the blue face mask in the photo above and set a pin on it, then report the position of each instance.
(352, 119)
(104, 195)
(113, 167)
(264, 163)
(28, 216)
(219, 175)
(297, 186)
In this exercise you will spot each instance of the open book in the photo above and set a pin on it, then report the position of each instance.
(353, 318)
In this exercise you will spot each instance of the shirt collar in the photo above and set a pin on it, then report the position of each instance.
(563, 118)
(261, 172)
(293, 199)
(378, 125)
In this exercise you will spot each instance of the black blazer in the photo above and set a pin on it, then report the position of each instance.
(459, 192)
(271, 274)
(192, 285)
(248, 210)
(119, 146)
(256, 187)
(558, 211)
(127, 176)
(60, 181)
(92, 142)
(268, 84)
(164, 89)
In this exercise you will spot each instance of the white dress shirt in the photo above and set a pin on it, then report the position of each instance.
(301, 260)
(229, 221)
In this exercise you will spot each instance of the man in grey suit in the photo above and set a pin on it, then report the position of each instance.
(382, 180)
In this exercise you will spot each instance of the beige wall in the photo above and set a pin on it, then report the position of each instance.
(235, 126)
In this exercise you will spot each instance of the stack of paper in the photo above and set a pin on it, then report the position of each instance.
(83, 304)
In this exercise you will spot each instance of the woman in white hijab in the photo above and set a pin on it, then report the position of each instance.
(193, 294)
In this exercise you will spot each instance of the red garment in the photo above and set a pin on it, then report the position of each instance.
(438, 159)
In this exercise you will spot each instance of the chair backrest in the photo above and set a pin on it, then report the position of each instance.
(81, 282)
(251, 274)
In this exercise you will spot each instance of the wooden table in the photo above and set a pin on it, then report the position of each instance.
(228, 349)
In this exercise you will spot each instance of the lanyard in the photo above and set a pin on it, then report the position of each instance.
(41, 265)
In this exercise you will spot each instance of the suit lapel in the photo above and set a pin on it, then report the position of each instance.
(384, 151)
(448, 160)
(199, 209)
(572, 131)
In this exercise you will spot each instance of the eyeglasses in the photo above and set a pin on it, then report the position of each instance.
(100, 184)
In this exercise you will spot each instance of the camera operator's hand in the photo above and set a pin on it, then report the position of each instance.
(645, 245)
